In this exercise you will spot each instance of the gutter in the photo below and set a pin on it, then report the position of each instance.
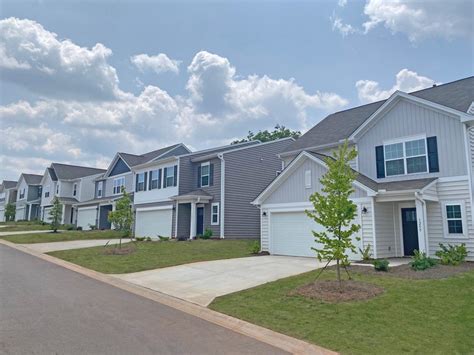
(418, 196)
(222, 202)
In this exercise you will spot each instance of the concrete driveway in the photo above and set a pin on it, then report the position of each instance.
(202, 282)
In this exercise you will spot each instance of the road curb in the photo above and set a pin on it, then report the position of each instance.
(264, 335)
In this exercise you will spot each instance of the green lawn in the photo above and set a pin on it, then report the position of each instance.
(154, 255)
(61, 236)
(23, 226)
(412, 316)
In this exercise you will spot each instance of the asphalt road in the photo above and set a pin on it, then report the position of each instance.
(46, 309)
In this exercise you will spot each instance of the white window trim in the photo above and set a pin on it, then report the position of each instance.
(74, 189)
(142, 174)
(165, 177)
(157, 180)
(46, 191)
(58, 189)
(100, 188)
(207, 163)
(404, 157)
(218, 213)
(307, 179)
(122, 178)
(448, 235)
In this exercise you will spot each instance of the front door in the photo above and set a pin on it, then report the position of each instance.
(410, 230)
(200, 221)
(104, 217)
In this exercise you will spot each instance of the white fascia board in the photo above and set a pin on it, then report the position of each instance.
(154, 208)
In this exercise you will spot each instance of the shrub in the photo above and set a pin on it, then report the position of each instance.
(148, 239)
(381, 265)
(452, 254)
(255, 247)
(139, 239)
(207, 234)
(92, 227)
(421, 261)
(79, 228)
(163, 239)
(366, 254)
(69, 227)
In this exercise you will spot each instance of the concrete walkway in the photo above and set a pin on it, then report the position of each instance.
(201, 282)
(67, 245)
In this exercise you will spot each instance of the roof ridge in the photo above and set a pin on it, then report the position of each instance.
(77, 166)
(444, 84)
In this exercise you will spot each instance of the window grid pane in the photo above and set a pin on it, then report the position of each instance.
(395, 167)
(453, 211)
(414, 148)
(394, 151)
(416, 165)
(455, 226)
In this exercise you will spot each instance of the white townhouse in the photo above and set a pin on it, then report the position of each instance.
(28, 197)
(415, 184)
(7, 196)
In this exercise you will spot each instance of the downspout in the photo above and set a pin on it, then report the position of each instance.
(425, 224)
(222, 204)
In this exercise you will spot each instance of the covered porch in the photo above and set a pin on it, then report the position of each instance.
(191, 216)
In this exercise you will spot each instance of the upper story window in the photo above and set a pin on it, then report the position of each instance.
(46, 191)
(57, 188)
(140, 182)
(100, 186)
(155, 177)
(307, 179)
(408, 157)
(205, 174)
(118, 184)
(170, 176)
(74, 189)
(22, 193)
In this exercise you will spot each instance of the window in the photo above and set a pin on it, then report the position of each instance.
(57, 188)
(215, 214)
(141, 182)
(454, 218)
(46, 191)
(408, 157)
(100, 186)
(118, 184)
(307, 179)
(169, 178)
(205, 173)
(154, 179)
(22, 193)
(74, 190)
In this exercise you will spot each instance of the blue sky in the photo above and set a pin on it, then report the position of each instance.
(226, 67)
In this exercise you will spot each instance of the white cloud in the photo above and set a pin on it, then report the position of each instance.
(417, 19)
(35, 58)
(217, 107)
(158, 63)
(342, 3)
(406, 81)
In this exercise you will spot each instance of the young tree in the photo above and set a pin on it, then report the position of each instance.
(334, 210)
(10, 212)
(55, 214)
(122, 217)
(267, 136)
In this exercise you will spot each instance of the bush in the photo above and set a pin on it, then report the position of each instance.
(381, 265)
(207, 234)
(79, 228)
(69, 227)
(139, 239)
(255, 247)
(163, 239)
(148, 239)
(365, 253)
(422, 262)
(92, 227)
(452, 254)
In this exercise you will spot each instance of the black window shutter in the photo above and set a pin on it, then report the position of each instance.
(136, 183)
(164, 176)
(199, 176)
(211, 174)
(433, 161)
(175, 182)
(145, 181)
(150, 177)
(159, 179)
(380, 162)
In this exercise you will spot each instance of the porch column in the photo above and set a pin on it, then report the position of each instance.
(29, 212)
(63, 214)
(192, 228)
(421, 224)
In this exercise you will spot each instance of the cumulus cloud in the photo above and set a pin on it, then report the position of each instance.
(217, 106)
(158, 63)
(35, 58)
(342, 3)
(406, 81)
(418, 20)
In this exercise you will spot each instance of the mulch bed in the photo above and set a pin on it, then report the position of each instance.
(405, 271)
(330, 291)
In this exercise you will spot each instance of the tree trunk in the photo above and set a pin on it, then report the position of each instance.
(338, 274)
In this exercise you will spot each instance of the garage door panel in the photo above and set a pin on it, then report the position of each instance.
(2, 215)
(291, 234)
(46, 216)
(154, 223)
(86, 217)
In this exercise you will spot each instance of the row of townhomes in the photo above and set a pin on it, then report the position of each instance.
(414, 188)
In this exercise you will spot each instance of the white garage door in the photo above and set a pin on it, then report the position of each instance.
(20, 213)
(86, 217)
(46, 216)
(154, 223)
(290, 234)
(2, 215)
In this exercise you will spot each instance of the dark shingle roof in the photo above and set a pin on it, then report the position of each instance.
(52, 174)
(133, 159)
(338, 126)
(8, 184)
(212, 151)
(32, 179)
(69, 172)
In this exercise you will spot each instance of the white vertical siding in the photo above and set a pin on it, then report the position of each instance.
(353, 163)
(385, 229)
(449, 191)
(265, 234)
(471, 150)
(367, 231)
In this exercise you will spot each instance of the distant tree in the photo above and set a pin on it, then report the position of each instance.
(122, 217)
(334, 210)
(267, 136)
(55, 214)
(10, 212)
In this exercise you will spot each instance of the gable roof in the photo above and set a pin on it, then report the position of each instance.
(52, 174)
(70, 172)
(32, 179)
(132, 159)
(457, 95)
(9, 184)
(213, 151)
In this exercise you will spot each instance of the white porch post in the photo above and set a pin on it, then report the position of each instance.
(421, 224)
(29, 212)
(192, 228)
(63, 215)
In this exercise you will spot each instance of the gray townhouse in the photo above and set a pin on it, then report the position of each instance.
(107, 187)
(415, 167)
(70, 184)
(7, 196)
(182, 195)
(28, 199)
